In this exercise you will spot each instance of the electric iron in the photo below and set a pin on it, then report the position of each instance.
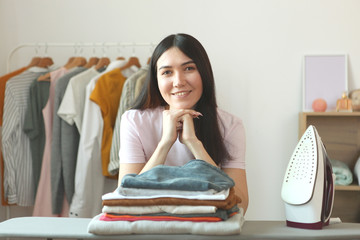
(308, 186)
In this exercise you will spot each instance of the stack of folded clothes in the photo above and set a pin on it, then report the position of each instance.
(196, 198)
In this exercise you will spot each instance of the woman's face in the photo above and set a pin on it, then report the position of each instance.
(178, 79)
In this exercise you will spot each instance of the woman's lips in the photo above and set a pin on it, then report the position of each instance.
(181, 93)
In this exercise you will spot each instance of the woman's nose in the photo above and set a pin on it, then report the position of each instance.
(179, 80)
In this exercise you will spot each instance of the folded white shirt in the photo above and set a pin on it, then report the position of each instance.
(141, 193)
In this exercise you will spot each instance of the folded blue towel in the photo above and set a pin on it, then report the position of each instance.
(196, 175)
(343, 174)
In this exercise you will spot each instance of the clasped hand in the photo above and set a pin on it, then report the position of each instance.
(179, 124)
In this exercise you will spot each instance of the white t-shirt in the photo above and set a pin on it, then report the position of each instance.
(141, 131)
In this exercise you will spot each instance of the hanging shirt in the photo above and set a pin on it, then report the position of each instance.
(72, 105)
(34, 126)
(64, 146)
(18, 179)
(90, 184)
(42, 205)
(3, 81)
(128, 96)
(106, 95)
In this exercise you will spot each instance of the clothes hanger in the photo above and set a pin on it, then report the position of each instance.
(45, 63)
(34, 62)
(77, 62)
(133, 61)
(120, 53)
(69, 61)
(92, 62)
(103, 62)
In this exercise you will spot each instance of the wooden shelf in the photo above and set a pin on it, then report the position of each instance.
(351, 187)
(333, 114)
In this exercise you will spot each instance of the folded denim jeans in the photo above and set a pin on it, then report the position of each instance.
(196, 175)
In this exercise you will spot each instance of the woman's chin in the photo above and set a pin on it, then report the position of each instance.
(180, 106)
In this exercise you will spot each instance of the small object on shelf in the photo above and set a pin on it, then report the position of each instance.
(319, 105)
(344, 104)
(355, 98)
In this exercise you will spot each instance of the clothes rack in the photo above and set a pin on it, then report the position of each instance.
(77, 46)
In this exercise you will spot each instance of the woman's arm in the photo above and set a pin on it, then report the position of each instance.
(126, 168)
(188, 137)
(241, 189)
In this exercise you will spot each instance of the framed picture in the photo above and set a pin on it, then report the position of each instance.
(324, 76)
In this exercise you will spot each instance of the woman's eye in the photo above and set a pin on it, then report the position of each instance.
(189, 68)
(166, 72)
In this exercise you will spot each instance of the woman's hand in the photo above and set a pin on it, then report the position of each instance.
(175, 122)
(187, 133)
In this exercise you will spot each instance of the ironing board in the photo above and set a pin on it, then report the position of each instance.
(76, 228)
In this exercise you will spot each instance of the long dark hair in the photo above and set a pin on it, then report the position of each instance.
(207, 127)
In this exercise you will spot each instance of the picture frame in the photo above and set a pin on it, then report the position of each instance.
(324, 76)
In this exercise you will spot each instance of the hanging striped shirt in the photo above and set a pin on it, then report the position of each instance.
(18, 179)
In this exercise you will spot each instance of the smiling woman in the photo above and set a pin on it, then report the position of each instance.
(176, 119)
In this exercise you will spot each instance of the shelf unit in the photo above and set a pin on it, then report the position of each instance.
(340, 133)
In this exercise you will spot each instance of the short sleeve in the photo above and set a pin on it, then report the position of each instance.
(131, 148)
(67, 108)
(234, 139)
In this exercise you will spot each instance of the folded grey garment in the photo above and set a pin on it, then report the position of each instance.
(196, 175)
(183, 209)
(232, 226)
(357, 170)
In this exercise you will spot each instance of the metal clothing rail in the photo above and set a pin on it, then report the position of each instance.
(76, 46)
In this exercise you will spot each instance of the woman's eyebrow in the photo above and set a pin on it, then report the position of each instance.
(183, 64)
(164, 67)
(188, 62)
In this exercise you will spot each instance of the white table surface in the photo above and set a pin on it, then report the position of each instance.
(76, 228)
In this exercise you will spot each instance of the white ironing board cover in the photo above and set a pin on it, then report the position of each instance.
(76, 228)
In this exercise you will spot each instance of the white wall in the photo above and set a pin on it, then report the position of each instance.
(256, 48)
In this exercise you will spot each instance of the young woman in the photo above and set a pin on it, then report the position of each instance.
(176, 119)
